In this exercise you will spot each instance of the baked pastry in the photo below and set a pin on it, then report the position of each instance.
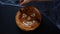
(28, 18)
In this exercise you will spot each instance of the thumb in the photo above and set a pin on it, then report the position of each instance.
(22, 3)
(25, 2)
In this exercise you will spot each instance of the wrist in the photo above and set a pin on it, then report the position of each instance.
(41, 0)
(33, 0)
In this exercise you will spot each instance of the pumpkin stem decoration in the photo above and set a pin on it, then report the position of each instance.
(29, 18)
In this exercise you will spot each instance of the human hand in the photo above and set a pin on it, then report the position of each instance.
(24, 1)
(27, 1)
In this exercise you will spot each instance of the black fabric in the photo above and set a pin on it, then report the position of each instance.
(8, 24)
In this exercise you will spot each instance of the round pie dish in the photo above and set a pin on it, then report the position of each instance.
(28, 18)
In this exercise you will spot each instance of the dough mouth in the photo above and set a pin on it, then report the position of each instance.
(28, 19)
(28, 23)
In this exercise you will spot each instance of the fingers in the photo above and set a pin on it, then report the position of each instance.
(21, 2)
(24, 2)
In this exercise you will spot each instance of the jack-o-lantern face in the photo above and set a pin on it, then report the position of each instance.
(28, 18)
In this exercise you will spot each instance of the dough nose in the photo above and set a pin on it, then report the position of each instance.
(29, 18)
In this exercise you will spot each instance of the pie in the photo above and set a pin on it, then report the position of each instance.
(28, 18)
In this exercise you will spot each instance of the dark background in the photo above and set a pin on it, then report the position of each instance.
(48, 23)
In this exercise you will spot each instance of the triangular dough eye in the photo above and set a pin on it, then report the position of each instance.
(33, 15)
(24, 15)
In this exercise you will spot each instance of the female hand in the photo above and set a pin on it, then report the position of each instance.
(24, 1)
(27, 1)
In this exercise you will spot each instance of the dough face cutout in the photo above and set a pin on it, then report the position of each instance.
(28, 18)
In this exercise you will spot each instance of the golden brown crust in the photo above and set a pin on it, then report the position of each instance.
(28, 10)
